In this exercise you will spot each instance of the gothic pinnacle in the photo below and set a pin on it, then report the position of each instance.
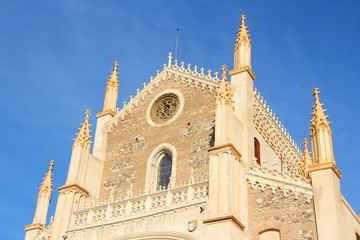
(224, 91)
(306, 160)
(243, 33)
(319, 119)
(114, 78)
(83, 137)
(46, 185)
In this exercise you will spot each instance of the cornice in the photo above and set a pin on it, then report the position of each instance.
(227, 146)
(243, 69)
(327, 165)
(104, 113)
(74, 186)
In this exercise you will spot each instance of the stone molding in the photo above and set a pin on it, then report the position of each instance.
(33, 226)
(225, 218)
(158, 235)
(261, 178)
(174, 117)
(104, 113)
(73, 187)
(326, 165)
(274, 133)
(227, 146)
(243, 69)
(188, 76)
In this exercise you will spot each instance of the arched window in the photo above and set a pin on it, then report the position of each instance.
(271, 234)
(357, 237)
(257, 151)
(161, 168)
(164, 171)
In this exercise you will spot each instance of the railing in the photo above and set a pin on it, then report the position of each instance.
(140, 206)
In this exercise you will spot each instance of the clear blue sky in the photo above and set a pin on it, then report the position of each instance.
(56, 56)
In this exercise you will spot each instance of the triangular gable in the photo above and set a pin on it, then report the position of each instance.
(193, 77)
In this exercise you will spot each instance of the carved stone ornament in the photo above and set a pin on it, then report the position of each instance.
(164, 108)
(192, 225)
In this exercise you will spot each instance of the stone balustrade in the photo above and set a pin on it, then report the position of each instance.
(141, 205)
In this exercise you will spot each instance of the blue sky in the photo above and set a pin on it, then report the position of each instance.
(56, 56)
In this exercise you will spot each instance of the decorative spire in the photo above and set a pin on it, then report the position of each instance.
(224, 91)
(83, 137)
(242, 48)
(320, 133)
(243, 33)
(111, 94)
(319, 120)
(46, 185)
(113, 81)
(306, 160)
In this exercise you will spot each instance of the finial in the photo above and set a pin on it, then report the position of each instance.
(46, 185)
(316, 93)
(243, 33)
(83, 137)
(306, 159)
(319, 119)
(113, 81)
(52, 162)
(87, 114)
(242, 48)
(224, 72)
(116, 64)
(243, 18)
(224, 91)
(170, 57)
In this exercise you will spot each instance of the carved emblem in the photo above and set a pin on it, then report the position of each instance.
(192, 225)
(165, 107)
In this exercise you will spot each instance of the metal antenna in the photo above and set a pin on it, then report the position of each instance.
(177, 42)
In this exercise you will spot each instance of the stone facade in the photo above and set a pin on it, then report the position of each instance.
(294, 217)
(197, 156)
(131, 142)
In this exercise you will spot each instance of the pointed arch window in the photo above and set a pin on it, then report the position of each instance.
(164, 171)
(161, 168)
(257, 151)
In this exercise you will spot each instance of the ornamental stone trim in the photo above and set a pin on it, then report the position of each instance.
(194, 77)
(157, 115)
(95, 212)
(261, 179)
(274, 133)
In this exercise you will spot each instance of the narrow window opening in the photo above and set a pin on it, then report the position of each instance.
(164, 172)
(257, 151)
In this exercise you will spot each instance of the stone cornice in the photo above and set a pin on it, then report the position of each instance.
(326, 165)
(74, 186)
(225, 218)
(243, 69)
(33, 226)
(104, 113)
(221, 147)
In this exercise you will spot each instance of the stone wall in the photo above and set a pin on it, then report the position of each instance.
(131, 142)
(294, 217)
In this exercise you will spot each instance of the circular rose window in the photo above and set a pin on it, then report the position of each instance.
(164, 108)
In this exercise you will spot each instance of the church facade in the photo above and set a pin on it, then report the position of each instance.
(196, 156)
